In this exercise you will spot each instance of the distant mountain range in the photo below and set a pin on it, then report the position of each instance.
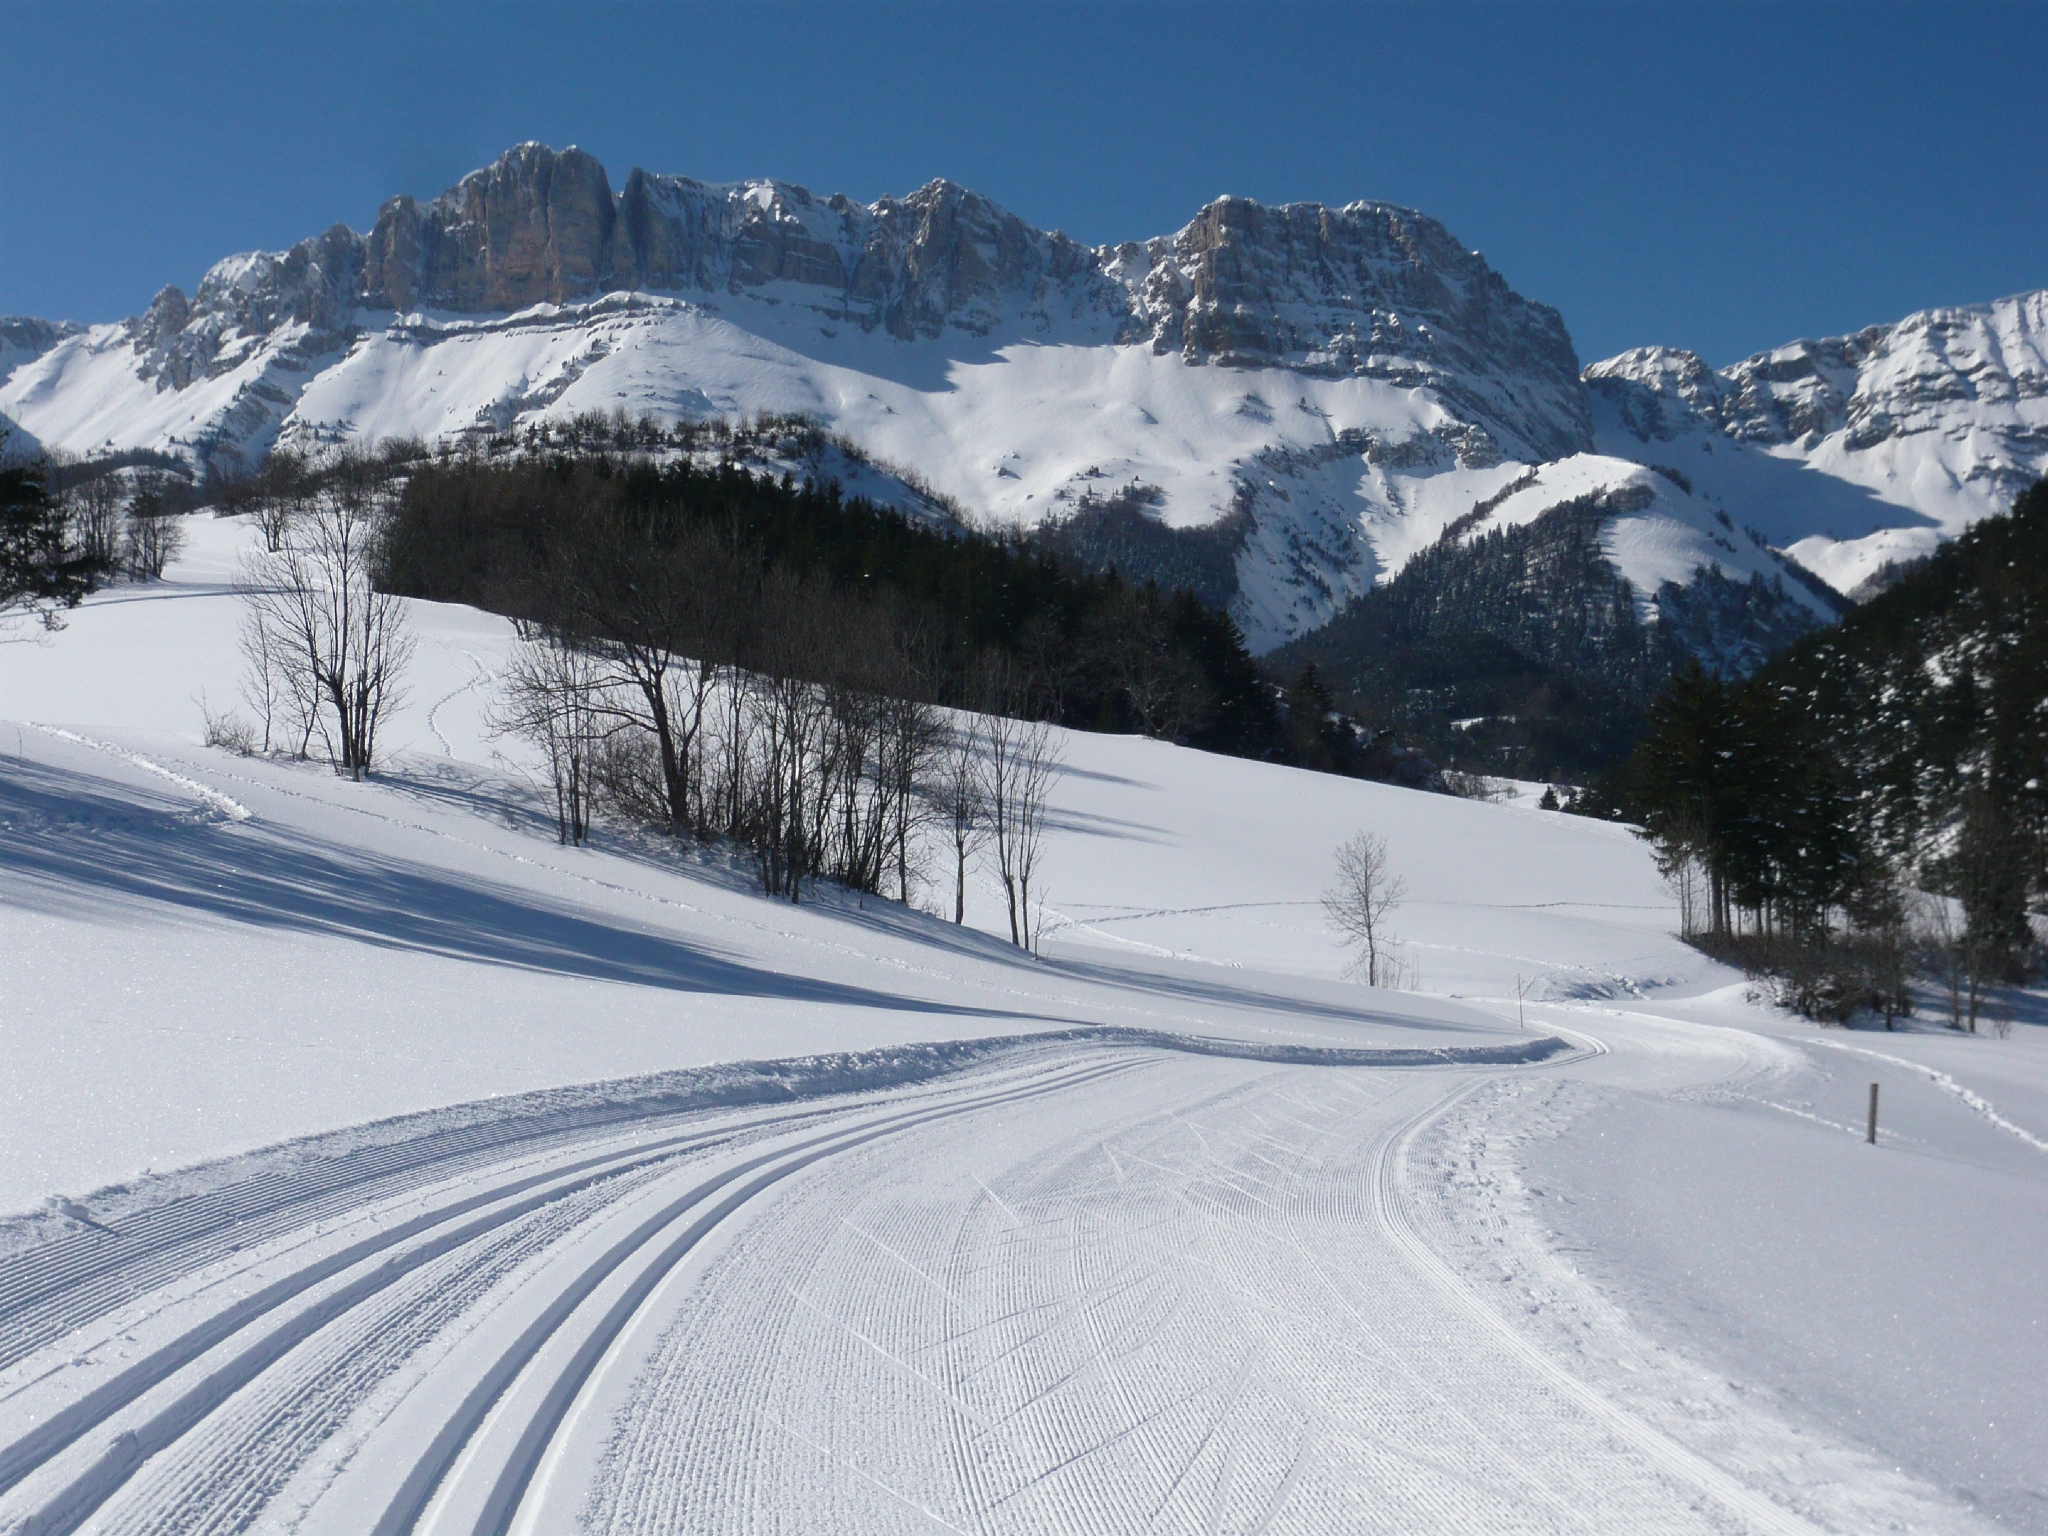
(1319, 393)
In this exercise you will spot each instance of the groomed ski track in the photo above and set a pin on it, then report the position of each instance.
(1081, 1283)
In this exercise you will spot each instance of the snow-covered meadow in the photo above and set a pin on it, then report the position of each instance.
(380, 1164)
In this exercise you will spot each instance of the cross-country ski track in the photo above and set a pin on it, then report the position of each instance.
(986, 1302)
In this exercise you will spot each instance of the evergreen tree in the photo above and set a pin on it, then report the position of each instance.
(39, 573)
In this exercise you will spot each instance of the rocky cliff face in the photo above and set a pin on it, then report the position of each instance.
(304, 297)
(1944, 413)
(535, 228)
(545, 227)
(1981, 369)
(941, 258)
(1367, 290)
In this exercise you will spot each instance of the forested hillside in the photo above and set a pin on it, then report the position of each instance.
(1524, 650)
(1937, 689)
(738, 559)
(1906, 748)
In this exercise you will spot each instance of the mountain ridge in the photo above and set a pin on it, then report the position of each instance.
(1943, 413)
(1333, 386)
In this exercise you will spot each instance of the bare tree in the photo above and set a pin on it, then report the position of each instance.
(1019, 764)
(790, 801)
(962, 810)
(279, 492)
(1680, 862)
(1881, 914)
(1366, 890)
(912, 744)
(1940, 929)
(1038, 770)
(316, 615)
(635, 615)
(285, 697)
(95, 505)
(548, 698)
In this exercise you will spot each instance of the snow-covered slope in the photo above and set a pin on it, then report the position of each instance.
(1855, 450)
(1666, 535)
(680, 1208)
(23, 339)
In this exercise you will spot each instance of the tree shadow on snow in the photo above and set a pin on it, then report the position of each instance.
(79, 846)
(1193, 988)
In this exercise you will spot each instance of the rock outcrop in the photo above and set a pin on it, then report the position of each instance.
(535, 228)
(1945, 413)
(941, 258)
(1981, 367)
(1368, 290)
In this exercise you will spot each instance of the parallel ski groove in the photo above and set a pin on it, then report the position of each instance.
(482, 1232)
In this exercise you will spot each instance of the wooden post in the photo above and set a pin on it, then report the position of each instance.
(1872, 1137)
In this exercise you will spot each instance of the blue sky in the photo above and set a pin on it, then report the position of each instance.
(1724, 177)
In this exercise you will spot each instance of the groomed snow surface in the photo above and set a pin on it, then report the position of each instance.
(501, 1187)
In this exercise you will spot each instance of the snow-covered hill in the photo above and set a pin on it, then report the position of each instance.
(1855, 450)
(369, 1161)
(1329, 387)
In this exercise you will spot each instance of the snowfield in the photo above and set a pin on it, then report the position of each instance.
(379, 1165)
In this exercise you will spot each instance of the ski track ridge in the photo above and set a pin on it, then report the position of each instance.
(221, 805)
(441, 1232)
(1948, 1085)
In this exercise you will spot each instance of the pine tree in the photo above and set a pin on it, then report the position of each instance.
(38, 572)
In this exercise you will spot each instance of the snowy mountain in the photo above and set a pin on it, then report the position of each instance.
(1324, 389)
(1855, 450)
(1013, 369)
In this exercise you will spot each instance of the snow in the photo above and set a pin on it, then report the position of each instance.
(1670, 538)
(1015, 427)
(1057, 416)
(85, 396)
(502, 1186)
(1017, 424)
(1938, 422)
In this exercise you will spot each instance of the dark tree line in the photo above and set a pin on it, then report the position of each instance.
(1726, 777)
(67, 526)
(42, 572)
(923, 609)
(1904, 750)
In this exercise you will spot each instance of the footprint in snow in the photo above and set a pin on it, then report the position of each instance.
(73, 1211)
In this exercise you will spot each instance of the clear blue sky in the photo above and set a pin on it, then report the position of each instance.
(1724, 177)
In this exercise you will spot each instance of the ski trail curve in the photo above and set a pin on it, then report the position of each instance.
(1388, 1172)
(200, 1416)
(481, 676)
